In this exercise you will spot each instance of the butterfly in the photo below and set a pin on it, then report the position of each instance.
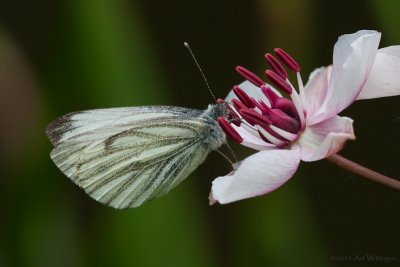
(123, 157)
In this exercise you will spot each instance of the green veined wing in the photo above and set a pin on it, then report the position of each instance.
(123, 157)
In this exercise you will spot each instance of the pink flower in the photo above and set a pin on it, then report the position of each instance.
(306, 126)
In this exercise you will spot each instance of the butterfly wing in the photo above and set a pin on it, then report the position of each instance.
(123, 157)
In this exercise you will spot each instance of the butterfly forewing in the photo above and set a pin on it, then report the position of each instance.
(125, 156)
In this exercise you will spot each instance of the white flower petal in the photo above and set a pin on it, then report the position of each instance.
(258, 174)
(384, 79)
(325, 138)
(315, 90)
(353, 57)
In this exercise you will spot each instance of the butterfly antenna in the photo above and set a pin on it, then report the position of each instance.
(212, 94)
(198, 66)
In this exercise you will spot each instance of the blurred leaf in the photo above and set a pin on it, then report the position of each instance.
(102, 58)
(113, 58)
(280, 231)
(387, 12)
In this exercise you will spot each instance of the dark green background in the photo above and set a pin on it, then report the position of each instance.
(61, 56)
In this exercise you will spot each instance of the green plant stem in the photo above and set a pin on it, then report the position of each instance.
(364, 172)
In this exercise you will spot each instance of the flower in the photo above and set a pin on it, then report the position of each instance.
(306, 126)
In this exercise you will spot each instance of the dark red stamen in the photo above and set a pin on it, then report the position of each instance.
(260, 105)
(254, 117)
(286, 106)
(278, 81)
(250, 76)
(233, 116)
(287, 59)
(263, 107)
(229, 130)
(276, 66)
(282, 103)
(237, 104)
(281, 120)
(243, 97)
(270, 95)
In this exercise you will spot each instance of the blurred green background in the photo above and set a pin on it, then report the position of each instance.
(62, 56)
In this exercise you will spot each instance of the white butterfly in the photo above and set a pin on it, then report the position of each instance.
(123, 157)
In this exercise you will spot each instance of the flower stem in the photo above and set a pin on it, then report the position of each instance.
(364, 172)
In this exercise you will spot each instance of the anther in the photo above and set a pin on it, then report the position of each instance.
(254, 118)
(237, 104)
(243, 97)
(276, 66)
(287, 59)
(250, 76)
(286, 106)
(282, 103)
(261, 106)
(270, 95)
(279, 82)
(229, 130)
(284, 121)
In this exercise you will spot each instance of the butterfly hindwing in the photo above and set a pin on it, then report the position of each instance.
(123, 157)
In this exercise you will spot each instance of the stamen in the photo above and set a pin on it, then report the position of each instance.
(238, 105)
(229, 130)
(287, 59)
(261, 122)
(270, 137)
(283, 121)
(270, 95)
(276, 66)
(289, 136)
(243, 97)
(264, 138)
(279, 82)
(234, 117)
(254, 118)
(250, 76)
(299, 107)
(300, 83)
(284, 104)
(262, 106)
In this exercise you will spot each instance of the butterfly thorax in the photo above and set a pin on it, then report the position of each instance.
(216, 136)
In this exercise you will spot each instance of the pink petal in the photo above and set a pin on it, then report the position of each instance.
(315, 90)
(384, 79)
(325, 138)
(258, 174)
(353, 57)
